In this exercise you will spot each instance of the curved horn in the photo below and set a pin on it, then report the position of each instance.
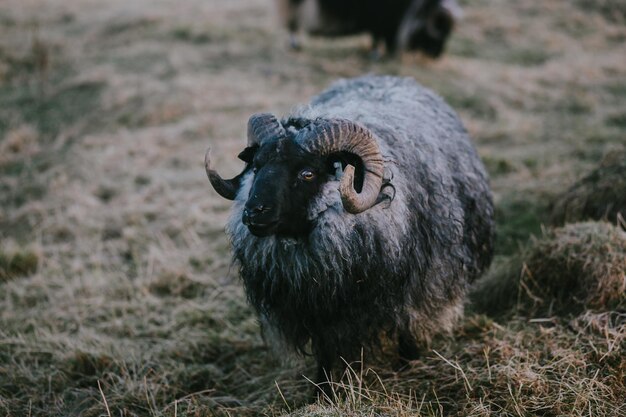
(226, 188)
(262, 127)
(343, 135)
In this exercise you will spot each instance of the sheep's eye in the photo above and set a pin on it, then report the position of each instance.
(307, 175)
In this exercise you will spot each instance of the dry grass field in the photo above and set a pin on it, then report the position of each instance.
(117, 295)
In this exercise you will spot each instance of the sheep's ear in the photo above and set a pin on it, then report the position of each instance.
(248, 154)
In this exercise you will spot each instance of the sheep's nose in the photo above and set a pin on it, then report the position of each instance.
(251, 213)
(256, 210)
(260, 209)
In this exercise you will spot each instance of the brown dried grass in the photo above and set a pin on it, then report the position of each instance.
(581, 266)
(599, 195)
(133, 308)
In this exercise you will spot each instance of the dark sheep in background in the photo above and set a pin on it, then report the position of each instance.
(403, 25)
(389, 246)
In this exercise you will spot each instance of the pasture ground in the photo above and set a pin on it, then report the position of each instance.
(116, 292)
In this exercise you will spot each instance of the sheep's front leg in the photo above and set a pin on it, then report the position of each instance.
(326, 359)
(294, 42)
(407, 347)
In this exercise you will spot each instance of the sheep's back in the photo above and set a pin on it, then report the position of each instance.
(442, 191)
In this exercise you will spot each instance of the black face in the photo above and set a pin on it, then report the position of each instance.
(286, 178)
(436, 26)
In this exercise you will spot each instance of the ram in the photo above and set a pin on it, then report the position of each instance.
(366, 212)
(423, 25)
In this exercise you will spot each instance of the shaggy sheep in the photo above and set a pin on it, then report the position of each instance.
(401, 24)
(367, 211)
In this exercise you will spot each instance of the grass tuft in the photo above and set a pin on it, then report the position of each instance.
(564, 271)
(599, 195)
(18, 264)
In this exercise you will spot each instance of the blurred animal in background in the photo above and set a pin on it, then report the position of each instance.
(403, 25)
(366, 211)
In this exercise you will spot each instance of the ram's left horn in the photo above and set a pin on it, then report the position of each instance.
(226, 188)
